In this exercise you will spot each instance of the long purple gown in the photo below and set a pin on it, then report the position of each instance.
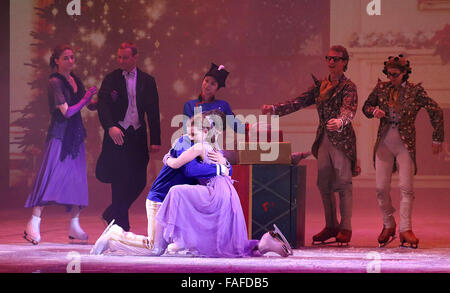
(62, 178)
(206, 219)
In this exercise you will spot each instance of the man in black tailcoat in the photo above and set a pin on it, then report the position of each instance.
(126, 96)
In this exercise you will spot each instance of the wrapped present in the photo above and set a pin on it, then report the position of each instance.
(264, 153)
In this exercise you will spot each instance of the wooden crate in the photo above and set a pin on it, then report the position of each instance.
(273, 194)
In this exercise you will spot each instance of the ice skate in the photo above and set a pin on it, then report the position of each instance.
(282, 238)
(274, 241)
(32, 232)
(387, 235)
(323, 236)
(408, 239)
(344, 237)
(174, 248)
(102, 242)
(76, 233)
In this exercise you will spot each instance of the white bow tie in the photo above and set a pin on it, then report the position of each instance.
(130, 74)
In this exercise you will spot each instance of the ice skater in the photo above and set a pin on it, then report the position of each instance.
(62, 178)
(396, 103)
(336, 100)
(128, 101)
(205, 219)
(213, 81)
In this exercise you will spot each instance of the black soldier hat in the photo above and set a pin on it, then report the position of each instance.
(219, 73)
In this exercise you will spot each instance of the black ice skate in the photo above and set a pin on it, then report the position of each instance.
(387, 235)
(322, 238)
(408, 239)
(344, 237)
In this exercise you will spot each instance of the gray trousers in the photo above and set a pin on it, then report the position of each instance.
(335, 175)
(390, 147)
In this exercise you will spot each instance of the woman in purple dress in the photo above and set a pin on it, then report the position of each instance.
(62, 177)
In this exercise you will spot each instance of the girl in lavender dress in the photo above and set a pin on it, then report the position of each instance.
(206, 219)
(62, 177)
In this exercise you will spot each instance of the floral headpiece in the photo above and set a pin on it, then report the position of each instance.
(399, 62)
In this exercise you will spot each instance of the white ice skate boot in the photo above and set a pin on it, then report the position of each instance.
(76, 234)
(32, 231)
(160, 243)
(175, 248)
(274, 241)
(102, 242)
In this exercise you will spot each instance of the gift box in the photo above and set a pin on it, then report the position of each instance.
(264, 153)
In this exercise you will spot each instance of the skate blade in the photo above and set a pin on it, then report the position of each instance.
(381, 245)
(73, 240)
(104, 232)
(287, 247)
(410, 245)
(343, 244)
(180, 253)
(29, 239)
(331, 243)
(324, 243)
(107, 228)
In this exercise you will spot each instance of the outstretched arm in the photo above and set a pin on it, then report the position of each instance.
(304, 100)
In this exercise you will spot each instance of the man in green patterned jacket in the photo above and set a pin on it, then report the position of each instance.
(396, 103)
(336, 100)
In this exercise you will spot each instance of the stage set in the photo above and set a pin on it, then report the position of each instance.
(270, 50)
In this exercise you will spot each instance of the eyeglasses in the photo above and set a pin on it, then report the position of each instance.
(394, 75)
(334, 58)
